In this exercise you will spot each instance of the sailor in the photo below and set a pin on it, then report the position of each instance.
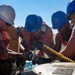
(70, 49)
(7, 56)
(60, 22)
(35, 34)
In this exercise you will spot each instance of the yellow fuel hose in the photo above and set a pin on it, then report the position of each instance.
(58, 54)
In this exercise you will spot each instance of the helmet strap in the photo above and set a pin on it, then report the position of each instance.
(8, 24)
(43, 29)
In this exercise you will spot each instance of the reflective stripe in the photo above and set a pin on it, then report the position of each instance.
(5, 39)
(40, 54)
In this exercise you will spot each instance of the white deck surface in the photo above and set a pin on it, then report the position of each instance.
(55, 69)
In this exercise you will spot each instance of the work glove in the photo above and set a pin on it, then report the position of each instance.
(29, 55)
(38, 45)
(37, 60)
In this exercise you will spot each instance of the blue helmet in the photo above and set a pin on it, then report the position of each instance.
(70, 7)
(59, 18)
(33, 23)
(40, 21)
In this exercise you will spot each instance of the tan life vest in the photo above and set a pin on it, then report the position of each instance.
(47, 37)
(13, 39)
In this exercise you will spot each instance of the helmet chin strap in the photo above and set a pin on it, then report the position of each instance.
(8, 24)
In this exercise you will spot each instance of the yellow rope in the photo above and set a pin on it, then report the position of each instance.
(58, 54)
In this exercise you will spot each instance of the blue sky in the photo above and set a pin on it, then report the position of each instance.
(43, 8)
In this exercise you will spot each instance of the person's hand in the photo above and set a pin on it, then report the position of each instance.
(2, 50)
(4, 56)
(37, 60)
(3, 53)
(39, 45)
(28, 55)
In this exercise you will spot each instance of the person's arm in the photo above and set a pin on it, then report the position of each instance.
(70, 49)
(57, 45)
(51, 44)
